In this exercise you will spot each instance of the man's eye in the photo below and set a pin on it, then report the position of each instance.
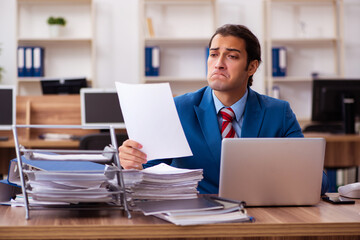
(212, 54)
(232, 56)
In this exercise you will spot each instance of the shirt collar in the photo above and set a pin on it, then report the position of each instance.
(237, 107)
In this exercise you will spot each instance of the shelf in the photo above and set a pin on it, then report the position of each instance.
(69, 53)
(303, 41)
(302, 1)
(176, 41)
(313, 43)
(50, 40)
(38, 79)
(175, 79)
(53, 1)
(183, 49)
(291, 79)
(178, 2)
(29, 79)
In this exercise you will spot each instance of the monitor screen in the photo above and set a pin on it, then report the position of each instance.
(63, 85)
(100, 107)
(7, 107)
(328, 95)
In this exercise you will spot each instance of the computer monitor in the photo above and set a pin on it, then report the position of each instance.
(63, 85)
(100, 107)
(336, 101)
(7, 107)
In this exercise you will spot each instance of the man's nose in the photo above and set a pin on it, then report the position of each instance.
(220, 64)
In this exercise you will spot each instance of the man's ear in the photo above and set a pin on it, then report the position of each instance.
(253, 65)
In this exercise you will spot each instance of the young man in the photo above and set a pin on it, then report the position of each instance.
(234, 57)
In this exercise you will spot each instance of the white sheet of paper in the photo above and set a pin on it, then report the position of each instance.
(151, 119)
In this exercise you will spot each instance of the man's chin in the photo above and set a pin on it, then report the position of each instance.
(217, 85)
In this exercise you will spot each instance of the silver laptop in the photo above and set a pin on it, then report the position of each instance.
(272, 171)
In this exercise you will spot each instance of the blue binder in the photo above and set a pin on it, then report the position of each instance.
(50, 165)
(155, 61)
(38, 62)
(282, 62)
(152, 61)
(279, 63)
(28, 62)
(148, 57)
(21, 61)
(275, 61)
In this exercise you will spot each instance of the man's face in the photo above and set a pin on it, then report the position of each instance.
(227, 65)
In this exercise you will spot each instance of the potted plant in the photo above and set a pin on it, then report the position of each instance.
(55, 24)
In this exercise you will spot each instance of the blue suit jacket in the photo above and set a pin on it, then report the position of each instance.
(263, 117)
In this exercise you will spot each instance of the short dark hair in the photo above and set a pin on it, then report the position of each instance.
(252, 44)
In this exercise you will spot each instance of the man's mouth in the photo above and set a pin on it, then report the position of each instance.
(220, 74)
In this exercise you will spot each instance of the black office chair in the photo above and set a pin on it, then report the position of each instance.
(99, 141)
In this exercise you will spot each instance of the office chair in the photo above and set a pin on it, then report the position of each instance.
(99, 141)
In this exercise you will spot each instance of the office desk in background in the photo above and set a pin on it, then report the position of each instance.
(46, 110)
(323, 221)
(342, 150)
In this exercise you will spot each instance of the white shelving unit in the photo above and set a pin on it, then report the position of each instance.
(311, 32)
(182, 29)
(72, 53)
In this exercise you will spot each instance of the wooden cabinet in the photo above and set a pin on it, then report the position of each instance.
(311, 33)
(71, 53)
(181, 29)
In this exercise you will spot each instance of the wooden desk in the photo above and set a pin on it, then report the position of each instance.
(342, 150)
(324, 221)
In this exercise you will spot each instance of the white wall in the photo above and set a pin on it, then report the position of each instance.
(352, 38)
(7, 41)
(117, 42)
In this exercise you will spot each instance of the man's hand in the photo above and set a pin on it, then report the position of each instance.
(130, 155)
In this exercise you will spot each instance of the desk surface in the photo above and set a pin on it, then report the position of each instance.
(321, 220)
(39, 143)
(335, 137)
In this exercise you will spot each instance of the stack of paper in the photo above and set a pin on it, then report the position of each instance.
(106, 156)
(71, 187)
(165, 182)
(195, 211)
(162, 137)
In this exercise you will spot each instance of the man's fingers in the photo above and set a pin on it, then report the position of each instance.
(131, 156)
(132, 144)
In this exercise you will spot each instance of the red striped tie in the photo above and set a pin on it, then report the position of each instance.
(227, 129)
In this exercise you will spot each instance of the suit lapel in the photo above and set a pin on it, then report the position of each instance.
(253, 116)
(207, 118)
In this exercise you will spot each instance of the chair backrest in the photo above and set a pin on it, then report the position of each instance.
(99, 141)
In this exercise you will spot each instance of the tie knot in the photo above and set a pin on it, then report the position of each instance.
(227, 114)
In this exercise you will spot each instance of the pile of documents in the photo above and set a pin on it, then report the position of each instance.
(72, 186)
(162, 182)
(202, 210)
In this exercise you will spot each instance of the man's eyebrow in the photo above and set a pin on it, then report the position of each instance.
(233, 49)
(228, 49)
